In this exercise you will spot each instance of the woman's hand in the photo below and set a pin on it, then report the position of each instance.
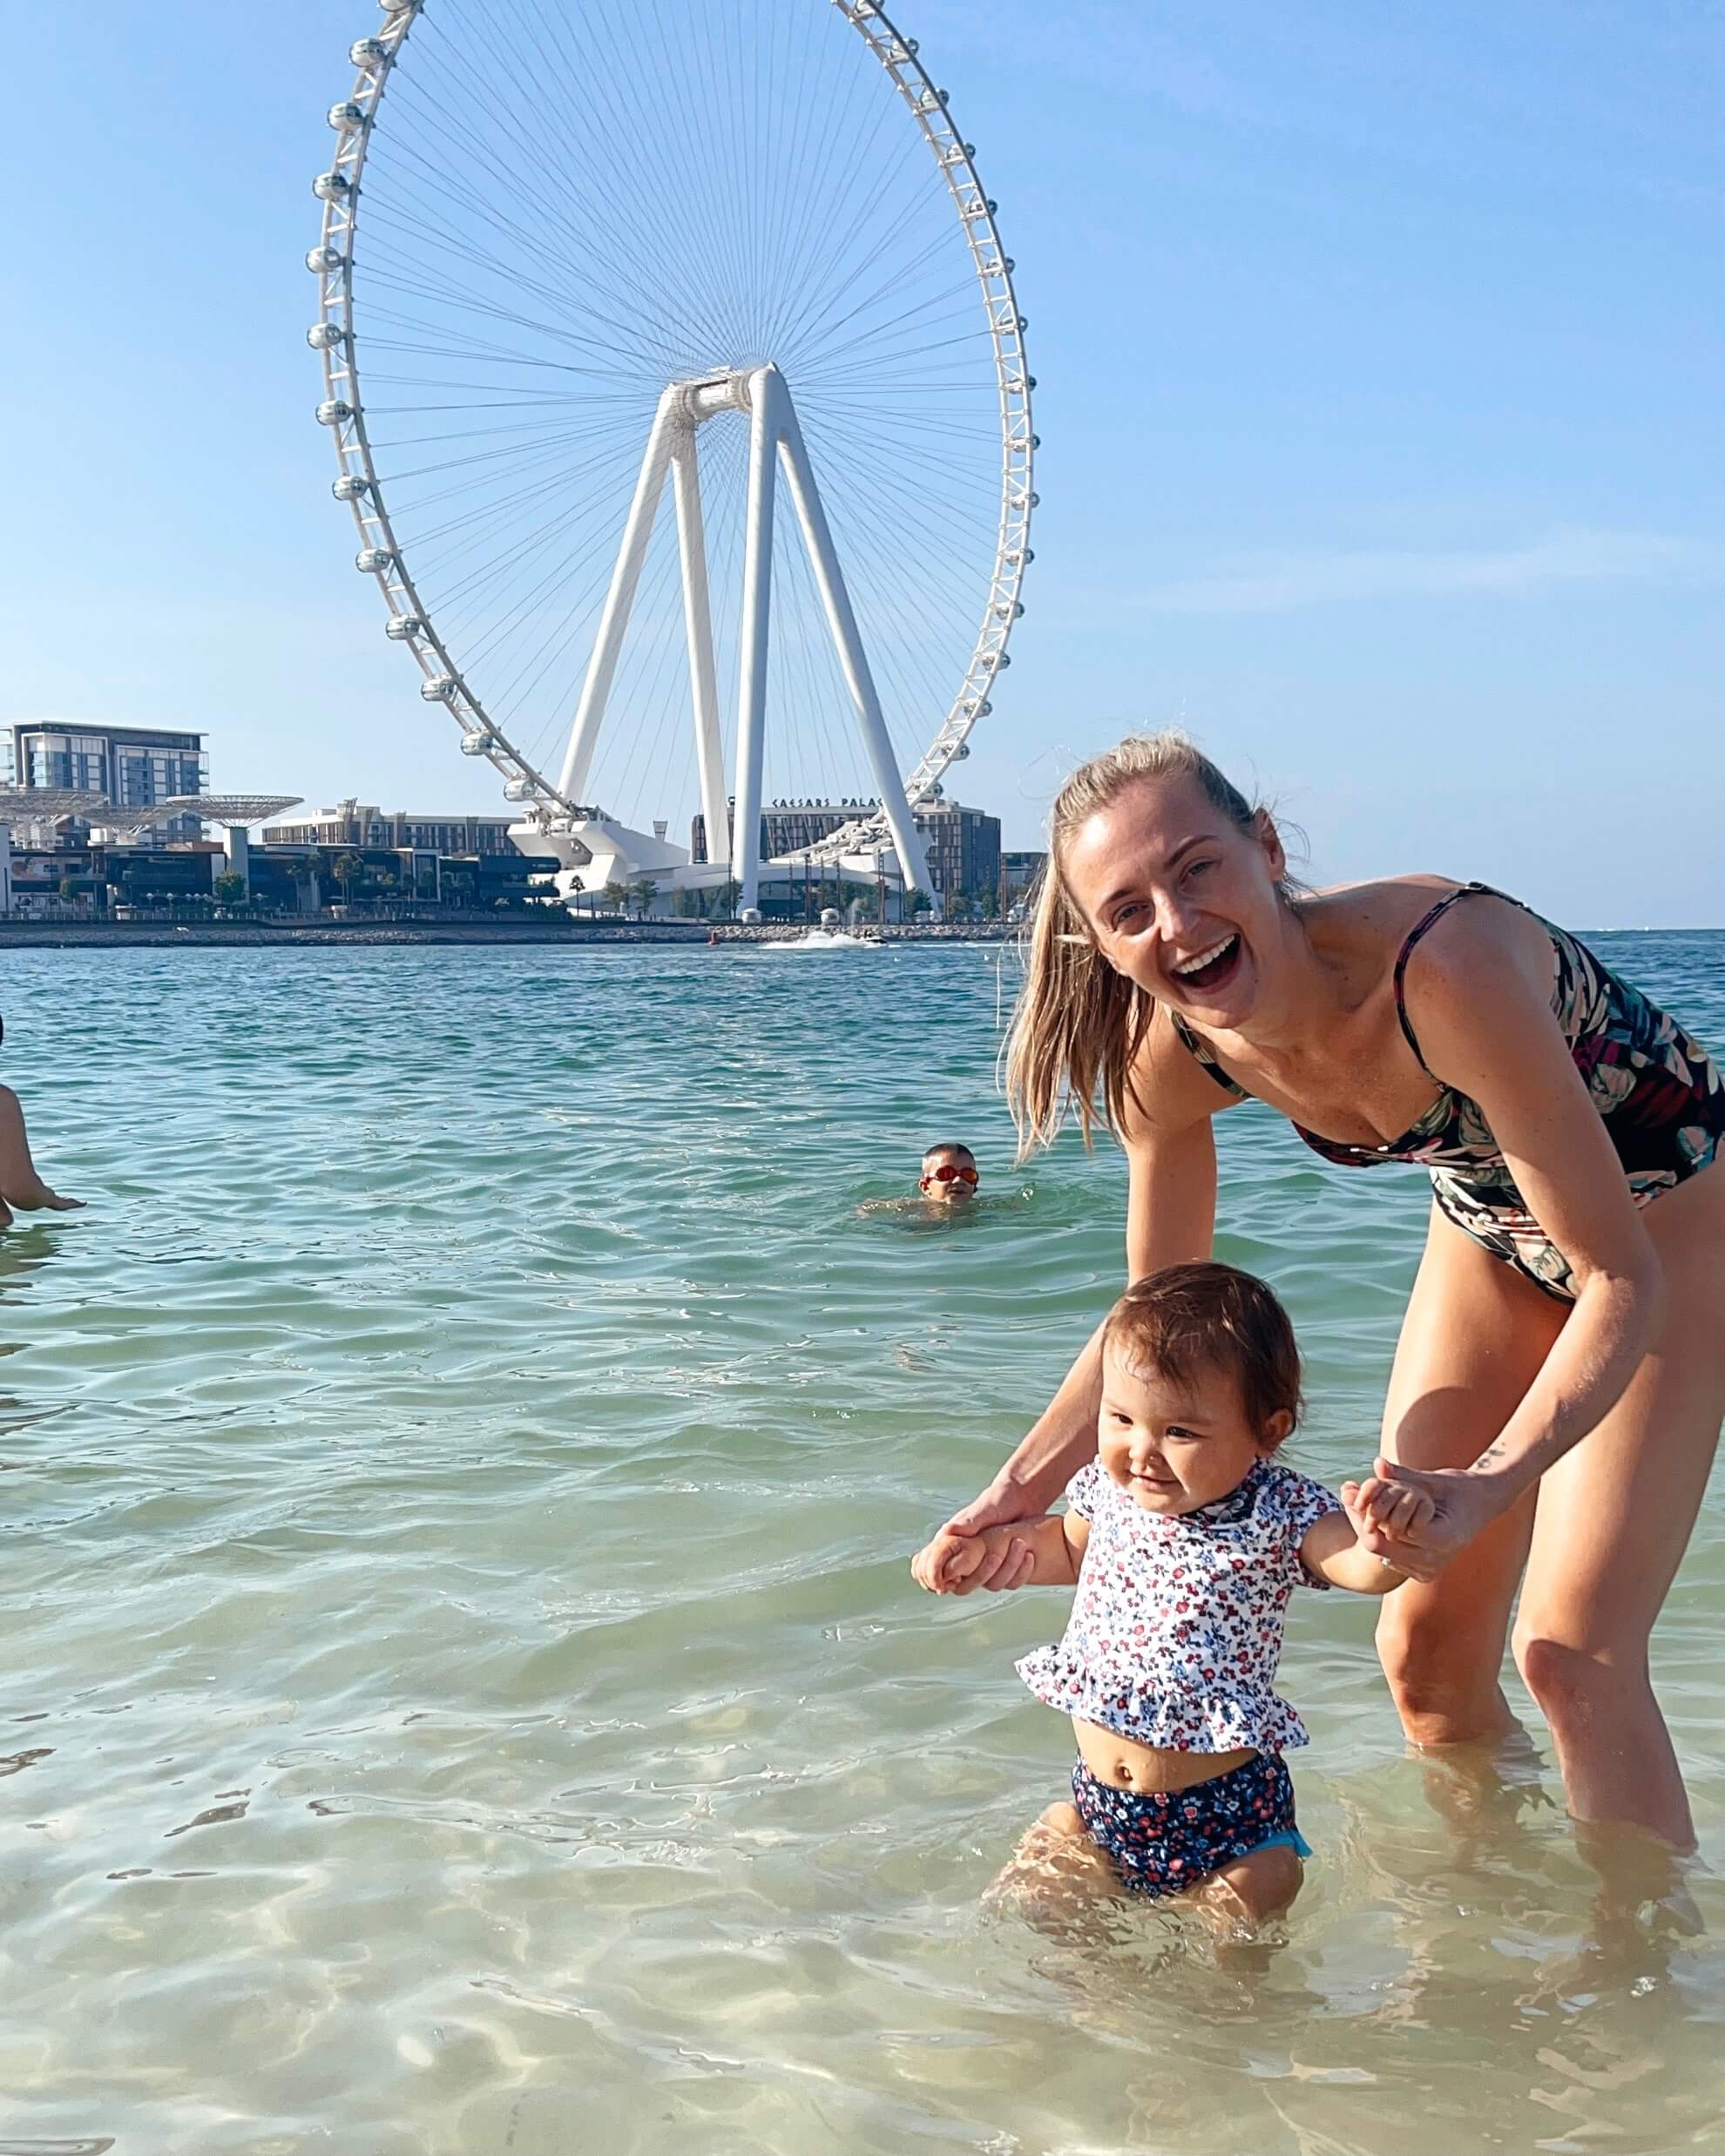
(958, 1562)
(1417, 1518)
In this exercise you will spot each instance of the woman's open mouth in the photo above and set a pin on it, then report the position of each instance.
(1209, 968)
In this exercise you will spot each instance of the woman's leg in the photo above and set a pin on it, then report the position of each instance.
(1473, 1339)
(20, 1185)
(1615, 1516)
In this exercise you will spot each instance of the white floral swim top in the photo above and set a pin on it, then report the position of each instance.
(1176, 1626)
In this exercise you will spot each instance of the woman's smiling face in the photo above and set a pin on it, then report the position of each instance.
(1179, 900)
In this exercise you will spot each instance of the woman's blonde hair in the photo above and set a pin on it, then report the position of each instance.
(1079, 1026)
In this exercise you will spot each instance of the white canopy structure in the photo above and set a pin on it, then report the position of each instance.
(23, 806)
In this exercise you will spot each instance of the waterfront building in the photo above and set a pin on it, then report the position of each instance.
(790, 826)
(354, 823)
(135, 766)
(1018, 872)
(963, 844)
(963, 848)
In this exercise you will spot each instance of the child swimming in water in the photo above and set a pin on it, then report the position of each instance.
(1185, 1538)
(947, 1180)
(950, 1175)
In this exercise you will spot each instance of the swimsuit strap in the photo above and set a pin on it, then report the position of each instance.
(1199, 1049)
(1425, 920)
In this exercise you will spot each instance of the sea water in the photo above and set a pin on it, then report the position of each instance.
(463, 1693)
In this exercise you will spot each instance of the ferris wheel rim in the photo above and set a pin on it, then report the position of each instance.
(344, 412)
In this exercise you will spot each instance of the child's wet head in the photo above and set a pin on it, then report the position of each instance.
(949, 1174)
(1201, 1380)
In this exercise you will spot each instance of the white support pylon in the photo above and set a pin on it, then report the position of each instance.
(620, 598)
(776, 437)
(698, 623)
(913, 866)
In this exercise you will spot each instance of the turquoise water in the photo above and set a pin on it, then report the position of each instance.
(464, 1689)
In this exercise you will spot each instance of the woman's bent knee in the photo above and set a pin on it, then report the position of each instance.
(1443, 1679)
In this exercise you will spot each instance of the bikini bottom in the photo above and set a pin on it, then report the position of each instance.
(1165, 1841)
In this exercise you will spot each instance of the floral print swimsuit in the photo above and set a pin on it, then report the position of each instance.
(1173, 1640)
(1658, 1092)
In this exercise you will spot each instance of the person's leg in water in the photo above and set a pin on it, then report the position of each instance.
(20, 1185)
(1472, 1341)
(1614, 1517)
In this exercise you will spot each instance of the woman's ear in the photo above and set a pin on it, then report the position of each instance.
(1270, 839)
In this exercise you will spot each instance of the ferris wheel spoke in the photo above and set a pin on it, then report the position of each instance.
(559, 274)
(624, 288)
(554, 218)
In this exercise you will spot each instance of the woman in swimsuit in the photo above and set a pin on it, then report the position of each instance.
(1559, 1381)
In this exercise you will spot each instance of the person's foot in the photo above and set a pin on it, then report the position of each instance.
(41, 1200)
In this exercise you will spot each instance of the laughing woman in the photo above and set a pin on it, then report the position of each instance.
(1559, 1381)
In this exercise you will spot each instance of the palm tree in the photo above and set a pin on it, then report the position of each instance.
(642, 891)
(344, 868)
(616, 896)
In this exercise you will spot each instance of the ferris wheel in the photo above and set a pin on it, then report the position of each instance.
(677, 382)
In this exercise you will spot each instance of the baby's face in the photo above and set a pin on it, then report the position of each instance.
(1171, 1448)
(947, 1182)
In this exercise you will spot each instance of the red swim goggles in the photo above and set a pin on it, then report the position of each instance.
(947, 1174)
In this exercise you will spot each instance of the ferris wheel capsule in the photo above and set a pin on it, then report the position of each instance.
(370, 559)
(333, 412)
(351, 486)
(345, 114)
(476, 744)
(324, 337)
(440, 689)
(321, 261)
(368, 52)
(520, 789)
(332, 187)
(403, 628)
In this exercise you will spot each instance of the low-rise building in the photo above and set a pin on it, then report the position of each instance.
(963, 844)
(1018, 872)
(355, 823)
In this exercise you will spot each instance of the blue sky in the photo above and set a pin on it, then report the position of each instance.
(1379, 353)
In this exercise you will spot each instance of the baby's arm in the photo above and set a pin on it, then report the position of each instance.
(1331, 1549)
(1051, 1549)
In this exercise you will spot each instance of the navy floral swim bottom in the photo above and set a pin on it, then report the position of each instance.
(1165, 1841)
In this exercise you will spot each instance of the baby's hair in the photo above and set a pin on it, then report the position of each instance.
(951, 1145)
(1192, 1318)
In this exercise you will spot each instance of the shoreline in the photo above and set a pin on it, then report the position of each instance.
(254, 935)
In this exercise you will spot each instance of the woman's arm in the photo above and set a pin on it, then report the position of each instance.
(1480, 1004)
(1171, 1214)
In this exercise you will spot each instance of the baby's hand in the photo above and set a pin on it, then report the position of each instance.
(959, 1564)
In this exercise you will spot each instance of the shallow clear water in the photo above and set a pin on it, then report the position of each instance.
(463, 1690)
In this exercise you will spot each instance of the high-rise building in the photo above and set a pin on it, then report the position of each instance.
(135, 766)
(963, 848)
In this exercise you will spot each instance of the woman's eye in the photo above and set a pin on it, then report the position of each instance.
(1196, 869)
(1126, 915)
